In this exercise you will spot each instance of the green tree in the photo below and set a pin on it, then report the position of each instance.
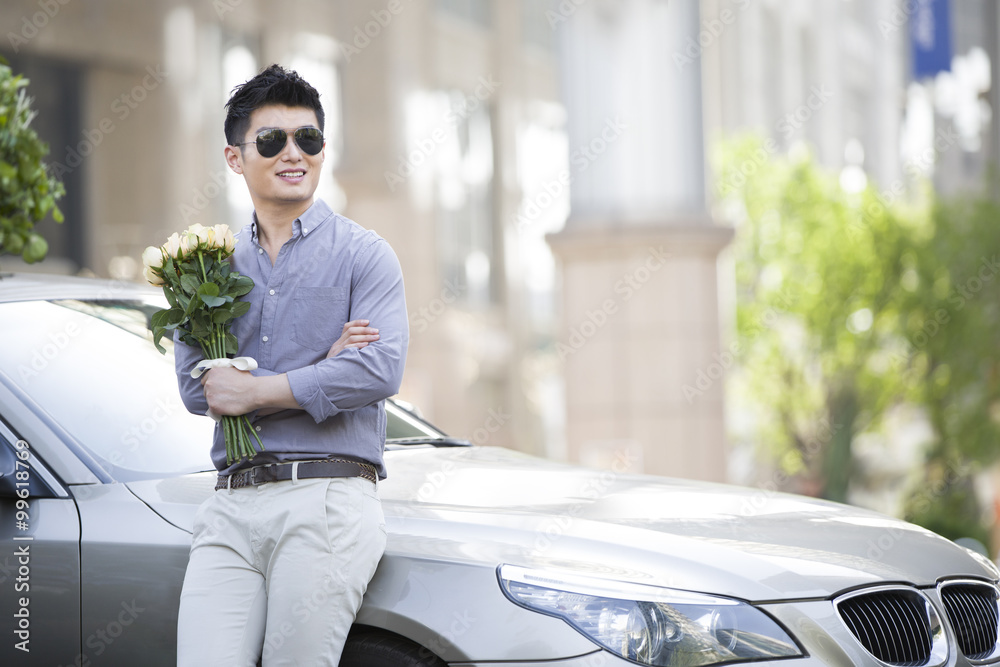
(818, 279)
(27, 192)
(951, 325)
(848, 306)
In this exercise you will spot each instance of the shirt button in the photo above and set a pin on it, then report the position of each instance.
(305, 231)
(260, 251)
(264, 339)
(258, 428)
(271, 292)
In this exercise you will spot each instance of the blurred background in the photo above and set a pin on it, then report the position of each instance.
(733, 240)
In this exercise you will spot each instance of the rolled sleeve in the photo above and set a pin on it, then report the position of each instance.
(185, 359)
(305, 388)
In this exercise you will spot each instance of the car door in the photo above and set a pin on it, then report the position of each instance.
(39, 560)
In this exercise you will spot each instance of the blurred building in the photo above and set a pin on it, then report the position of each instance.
(828, 74)
(458, 130)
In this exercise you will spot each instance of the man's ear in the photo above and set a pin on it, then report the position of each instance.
(234, 158)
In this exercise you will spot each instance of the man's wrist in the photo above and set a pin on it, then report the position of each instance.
(273, 391)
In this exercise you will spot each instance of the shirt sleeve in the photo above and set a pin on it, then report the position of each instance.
(185, 358)
(356, 378)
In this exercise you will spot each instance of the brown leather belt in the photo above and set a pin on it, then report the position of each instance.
(279, 472)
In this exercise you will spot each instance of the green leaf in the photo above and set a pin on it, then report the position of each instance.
(242, 285)
(190, 283)
(171, 298)
(159, 319)
(208, 289)
(35, 249)
(157, 337)
(232, 345)
(240, 308)
(221, 316)
(212, 301)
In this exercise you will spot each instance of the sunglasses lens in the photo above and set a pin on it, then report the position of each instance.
(270, 142)
(309, 139)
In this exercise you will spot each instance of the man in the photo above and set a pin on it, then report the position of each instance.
(278, 568)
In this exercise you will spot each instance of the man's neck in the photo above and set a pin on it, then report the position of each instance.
(274, 225)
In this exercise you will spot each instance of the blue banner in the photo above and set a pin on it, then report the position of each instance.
(930, 36)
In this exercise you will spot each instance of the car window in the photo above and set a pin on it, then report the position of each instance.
(92, 368)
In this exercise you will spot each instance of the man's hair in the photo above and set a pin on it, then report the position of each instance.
(274, 85)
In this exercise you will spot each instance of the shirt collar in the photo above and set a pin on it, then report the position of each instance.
(306, 223)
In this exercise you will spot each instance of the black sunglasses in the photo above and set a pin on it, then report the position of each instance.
(270, 142)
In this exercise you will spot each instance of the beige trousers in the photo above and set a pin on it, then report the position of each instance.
(277, 573)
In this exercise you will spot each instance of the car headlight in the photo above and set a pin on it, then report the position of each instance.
(648, 624)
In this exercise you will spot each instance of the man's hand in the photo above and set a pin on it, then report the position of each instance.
(232, 392)
(356, 334)
(229, 391)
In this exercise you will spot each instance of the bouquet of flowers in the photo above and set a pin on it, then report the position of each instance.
(203, 292)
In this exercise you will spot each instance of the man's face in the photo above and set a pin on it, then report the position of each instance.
(291, 176)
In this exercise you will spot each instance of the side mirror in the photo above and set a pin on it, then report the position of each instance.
(8, 467)
(10, 485)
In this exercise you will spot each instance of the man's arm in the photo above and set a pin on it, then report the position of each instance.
(233, 392)
(357, 377)
(186, 358)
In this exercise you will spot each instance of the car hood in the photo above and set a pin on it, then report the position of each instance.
(490, 506)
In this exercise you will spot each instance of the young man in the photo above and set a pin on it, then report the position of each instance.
(283, 552)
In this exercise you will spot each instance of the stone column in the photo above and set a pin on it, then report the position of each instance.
(640, 339)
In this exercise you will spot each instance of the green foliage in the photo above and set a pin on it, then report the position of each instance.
(951, 318)
(817, 272)
(847, 307)
(27, 192)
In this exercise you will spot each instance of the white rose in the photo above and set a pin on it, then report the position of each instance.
(188, 243)
(172, 247)
(152, 257)
(152, 277)
(224, 238)
(206, 237)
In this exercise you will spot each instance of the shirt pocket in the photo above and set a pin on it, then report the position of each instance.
(319, 315)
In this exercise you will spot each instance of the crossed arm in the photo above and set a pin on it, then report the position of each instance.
(233, 392)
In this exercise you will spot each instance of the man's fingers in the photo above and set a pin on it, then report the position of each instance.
(354, 323)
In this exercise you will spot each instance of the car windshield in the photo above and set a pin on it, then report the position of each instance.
(92, 368)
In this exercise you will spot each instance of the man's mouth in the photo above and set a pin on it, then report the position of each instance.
(298, 173)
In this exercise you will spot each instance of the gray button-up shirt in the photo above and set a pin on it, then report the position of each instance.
(331, 271)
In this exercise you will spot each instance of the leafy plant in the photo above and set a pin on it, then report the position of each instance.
(27, 192)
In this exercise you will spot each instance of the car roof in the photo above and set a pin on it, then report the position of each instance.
(41, 286)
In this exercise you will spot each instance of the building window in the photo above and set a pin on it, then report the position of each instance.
(468, 246)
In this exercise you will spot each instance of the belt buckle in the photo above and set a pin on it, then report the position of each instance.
(252, 476)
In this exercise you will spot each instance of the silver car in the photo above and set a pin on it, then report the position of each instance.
(494, 557)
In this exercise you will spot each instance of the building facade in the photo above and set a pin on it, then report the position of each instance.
(524, 182)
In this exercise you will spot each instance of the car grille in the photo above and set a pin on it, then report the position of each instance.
(972, 610)
(894, 625)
